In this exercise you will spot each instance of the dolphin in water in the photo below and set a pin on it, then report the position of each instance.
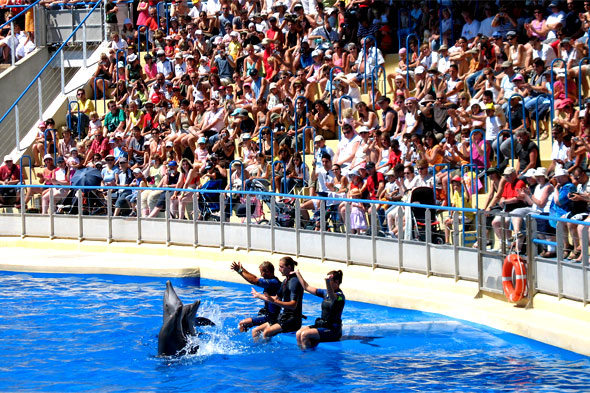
(179, 323)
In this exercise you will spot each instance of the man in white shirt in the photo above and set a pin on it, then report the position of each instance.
(372, 53)
(471, 26)
(321, 176)
(553, 21)
(213, 7)
(164, 66)
(117, 42)
(444, 61)
(213, 117)
(541, 50)
(347, 148)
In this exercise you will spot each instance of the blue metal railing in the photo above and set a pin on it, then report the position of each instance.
(231, 165)
(20, 161)
(347, 97)
(474, 191)
(55, 54)
(54, 136)
(375, 77)
(147, 39)
(260, 141)
(552, 96)
(408, 56)
(537, 125)
(79, 123)
(510, 110)
(511, 135)
(448, 167)
(365, 50)
(580, 76)
(284, 175)
(15, 17)
(485, 153)
(332, 85)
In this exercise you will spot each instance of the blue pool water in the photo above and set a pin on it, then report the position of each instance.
(99, 333)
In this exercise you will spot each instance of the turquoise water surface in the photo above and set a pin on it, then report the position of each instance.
(99, 333)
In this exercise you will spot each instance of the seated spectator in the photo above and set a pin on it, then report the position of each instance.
(461, 199)
(59, 177)
(9, 175)
(561, 203)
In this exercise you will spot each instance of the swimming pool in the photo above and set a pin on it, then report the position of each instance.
(99, 333)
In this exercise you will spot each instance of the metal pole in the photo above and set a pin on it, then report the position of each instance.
(104, 25)
(428, 236)
(531, 229)
(221, 221)
(12, 44)
(400, 235)
(559, 247)
(80, 208)
(51, 221)
(248, 222)
(195, 215)
(167, 216)
(40, 93)
(84, 44)
(456, 241)
(481, 245)
(110, 215)
(17, 127)
(23, 209)
(374, 235)
(323, 229)
(273, 217)
(297, 226)
(584, 243)
(138, 212)
(63, 74)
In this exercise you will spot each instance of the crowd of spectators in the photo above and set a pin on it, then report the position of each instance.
(23, 39)
(256, 82)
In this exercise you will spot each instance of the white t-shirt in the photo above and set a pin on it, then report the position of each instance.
(470, 30)
(546, 53)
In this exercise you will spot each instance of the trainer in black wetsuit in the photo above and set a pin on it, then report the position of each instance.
(290, 298)
(329, 326)
(267, 280)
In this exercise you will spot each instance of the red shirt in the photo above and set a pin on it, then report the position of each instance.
(511, 189)
(373, 184)
(9, 174)
(100, 147)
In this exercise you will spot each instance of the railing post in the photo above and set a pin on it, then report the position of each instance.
(374, 230)
(12, 44)
(51, 221)
(222, 221)
(456, 240)
(273, 217)
(400, 236)
(195, 225)
(138, 212)
(167, 216)
(84, 44)
(40, 93)
(348, 225)
(62, 72)
(559, 248)
(248, 222)
(481, 246)
(531, 229)
(297, 226)
(80, 210)
(17, 127)
(584, 243)
(323, 229)
(104, 24)
(23, 209)
(110, 215)
(428, 239)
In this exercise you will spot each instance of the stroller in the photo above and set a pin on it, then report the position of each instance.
(208, 203)
(425, 196)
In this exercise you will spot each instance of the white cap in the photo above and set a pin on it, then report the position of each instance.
(7, 158)
(234, 34)
(199, 32)
(160, 52)
(540, 171)
(47, 156)
(420, 69)
(131, 58)
(169, 144)
(363, 129)
(560, 172)
(530, 173)
(316, 53)
(137, 170)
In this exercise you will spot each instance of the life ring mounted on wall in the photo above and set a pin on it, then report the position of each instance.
(515, 263)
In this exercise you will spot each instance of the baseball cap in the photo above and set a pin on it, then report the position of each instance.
(318, 138)
(169, 144)
(137, 170)
(172, 163)
(202, 140)
(7, 158)
(47, 157)
(509, 171)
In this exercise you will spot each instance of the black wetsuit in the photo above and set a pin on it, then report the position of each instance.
(329, 326)
(291, 289)
(270, 312)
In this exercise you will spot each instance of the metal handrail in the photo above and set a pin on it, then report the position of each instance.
(485, 153)
(580, 76)
(70, 116)
(552, 96)
(375, 76)
(349, 98)
(147, 39)
(54, 133)
(537, 121)
(443, 165)
(474, 190)
(58, 51)
(284, 175)
(365, 56)
(13, 19)
(510, 110)
(104, 93)
(498, 146)
(260, 140)
(20, 161)
(332, 84)
(297, 118)
(408, 56)
(231, 165)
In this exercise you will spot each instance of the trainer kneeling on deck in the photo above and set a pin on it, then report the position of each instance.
(329, 326)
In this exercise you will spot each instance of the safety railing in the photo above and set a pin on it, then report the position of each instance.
(30, 165)
(70, 118)
(552, 96)
(408, 37)
(147, 39)
(375, 77)
(59, 52)
(242, 186)
(284, 164)
(447, 167)
(485, 153)
(498, 143)
(11, 21)
(261, 140)
(420, 246)
(523, 109)
(474, 190)
(580, 76)
(537, 124)
(342, 98)
(365, 54)
(53, 133)
(332, 84)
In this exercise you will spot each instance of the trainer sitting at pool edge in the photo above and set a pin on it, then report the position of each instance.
(271, 284)
(328, 327)
(290, 298)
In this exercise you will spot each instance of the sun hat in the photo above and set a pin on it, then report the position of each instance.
(509, 171)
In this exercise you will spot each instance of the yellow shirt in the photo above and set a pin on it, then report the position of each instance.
(85, 106)
(456, 201)
(234, 49)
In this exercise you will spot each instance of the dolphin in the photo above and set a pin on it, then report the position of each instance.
(178, 323)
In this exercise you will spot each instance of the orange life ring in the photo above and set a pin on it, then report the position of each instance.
(514, 263)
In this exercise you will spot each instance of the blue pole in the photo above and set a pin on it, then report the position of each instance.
(498, 146)
(332, 85)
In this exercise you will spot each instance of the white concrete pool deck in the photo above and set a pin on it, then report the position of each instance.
(562, 323)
